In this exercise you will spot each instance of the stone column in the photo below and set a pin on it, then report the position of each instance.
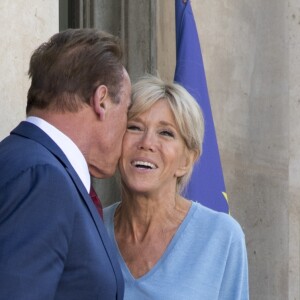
(293, 100)
(251, 55)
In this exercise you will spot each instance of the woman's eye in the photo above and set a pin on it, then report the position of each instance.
(133, 127)
(167, 133)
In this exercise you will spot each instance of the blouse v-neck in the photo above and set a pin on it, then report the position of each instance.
(126, 272)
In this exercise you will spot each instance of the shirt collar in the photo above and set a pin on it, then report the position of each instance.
(68, 147)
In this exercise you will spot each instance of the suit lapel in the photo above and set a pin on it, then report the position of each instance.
(100, 226)
(31, 131)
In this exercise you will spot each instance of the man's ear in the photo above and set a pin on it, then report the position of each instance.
(100, 101)
(187, 161)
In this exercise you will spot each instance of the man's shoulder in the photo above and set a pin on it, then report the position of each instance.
(18, 154)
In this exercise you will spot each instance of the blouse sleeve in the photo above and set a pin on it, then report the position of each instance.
(235, 280)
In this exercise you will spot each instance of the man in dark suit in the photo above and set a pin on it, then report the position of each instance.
(53, 244)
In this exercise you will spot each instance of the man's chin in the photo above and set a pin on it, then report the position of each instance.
(101, 174)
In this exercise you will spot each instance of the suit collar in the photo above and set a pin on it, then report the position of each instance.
(69, 148)
(31, 131)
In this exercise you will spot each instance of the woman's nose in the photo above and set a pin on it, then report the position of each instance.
(147, 141)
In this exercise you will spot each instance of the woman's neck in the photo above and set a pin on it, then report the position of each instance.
(144, 227)
(140, 215)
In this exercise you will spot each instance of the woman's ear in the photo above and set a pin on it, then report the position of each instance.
(187, 161)
(99, 102)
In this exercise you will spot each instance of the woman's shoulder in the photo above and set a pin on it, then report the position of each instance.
(217, 222)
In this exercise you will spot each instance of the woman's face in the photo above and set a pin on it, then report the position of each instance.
(153, 153)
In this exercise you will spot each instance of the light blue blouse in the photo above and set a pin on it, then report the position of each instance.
(206, 259)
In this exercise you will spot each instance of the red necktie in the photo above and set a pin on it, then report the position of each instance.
(96, 201)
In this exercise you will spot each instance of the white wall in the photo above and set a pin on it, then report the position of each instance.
(24, 26)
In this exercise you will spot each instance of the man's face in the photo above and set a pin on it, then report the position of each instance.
(107, 151)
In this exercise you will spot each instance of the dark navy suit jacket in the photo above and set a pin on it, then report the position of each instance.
(53, 244)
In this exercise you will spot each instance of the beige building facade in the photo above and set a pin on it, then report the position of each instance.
(251, 53)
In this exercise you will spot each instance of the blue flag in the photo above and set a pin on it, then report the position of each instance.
(207, 183)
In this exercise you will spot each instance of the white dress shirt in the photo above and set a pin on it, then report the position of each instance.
(68, 147)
